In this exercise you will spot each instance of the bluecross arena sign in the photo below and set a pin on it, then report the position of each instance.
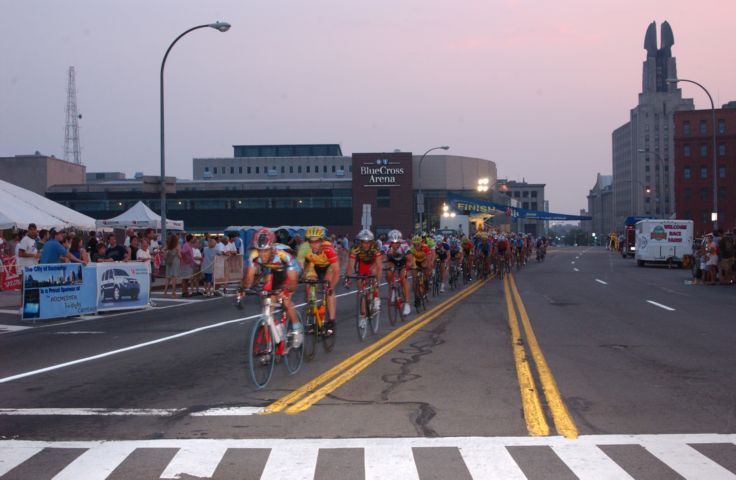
(382, 173)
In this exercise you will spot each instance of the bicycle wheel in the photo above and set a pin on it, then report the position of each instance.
(311, 335)
(362, 304)
(260, 353)
(393, 313)
(294, 356)
(328, 341)
(375, 318)
(400, 303)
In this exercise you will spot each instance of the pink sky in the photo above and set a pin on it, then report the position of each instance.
(536, 86)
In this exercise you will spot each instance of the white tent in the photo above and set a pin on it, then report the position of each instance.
(140, 216)
(19, 207)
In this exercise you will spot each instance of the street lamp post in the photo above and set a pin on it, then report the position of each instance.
(420, 195)
(714, 214)
(221, 27)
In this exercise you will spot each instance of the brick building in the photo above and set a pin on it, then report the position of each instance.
(694, 167)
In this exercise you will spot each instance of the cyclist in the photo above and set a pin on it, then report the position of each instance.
(319, 261)
(281, 272)
(442, 253)
(456, 253)
(367, 255)
(467, 252)
(422, 255)
(398, 254)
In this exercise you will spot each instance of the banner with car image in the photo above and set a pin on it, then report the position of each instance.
(58, 290)
(123, 285)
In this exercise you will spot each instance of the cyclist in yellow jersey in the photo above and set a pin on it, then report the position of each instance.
(320, 263)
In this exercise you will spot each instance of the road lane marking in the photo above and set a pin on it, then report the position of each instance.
(601, 281)
(687, 461)
(560, 415)
(11, 312)
(389, 463)
(588, 462)
(661, 306)
(130, 412)
(536, 424)
(353, 365)
(140, 345)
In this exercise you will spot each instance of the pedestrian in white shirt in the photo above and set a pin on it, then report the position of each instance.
(26, 253)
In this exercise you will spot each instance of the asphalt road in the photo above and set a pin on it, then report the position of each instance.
(617, 372)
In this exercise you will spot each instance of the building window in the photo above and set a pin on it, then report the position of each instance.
(324, 169)
(686, 174)
(308, 167)
(687, 194)
(206, 169)
(383, 198)
(214, 170)
(703, 127)
(686, 150)
(721, 172)
(248, 170)
(703, 193)
(721, 126)
(291, 168)
(534, 205)
(299, 169)
(350, 169)
(534, 194)
(232, 170)
(525, 205)
(525, 194)
(240, 170)
(517, 194)
(721, 192)
(722, 149)
(703, 172)
(283, 169)
(333, 169)
(316, 169)
(703, 150)
(686, 128)
(258, 170)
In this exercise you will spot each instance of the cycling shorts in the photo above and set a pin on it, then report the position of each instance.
(365, 269)
(315, 272)
(275, 280)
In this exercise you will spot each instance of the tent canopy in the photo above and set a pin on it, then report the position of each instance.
(140, 216)
(19, 207)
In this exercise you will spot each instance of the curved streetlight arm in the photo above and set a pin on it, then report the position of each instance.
(715, 158)
(220, 26)
(419, 177)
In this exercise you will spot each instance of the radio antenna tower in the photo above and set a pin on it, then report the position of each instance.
(72, 150)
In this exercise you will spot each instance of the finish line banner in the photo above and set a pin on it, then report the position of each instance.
(473, 205)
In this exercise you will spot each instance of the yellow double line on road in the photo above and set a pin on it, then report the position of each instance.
(318, 388)
(533, 412)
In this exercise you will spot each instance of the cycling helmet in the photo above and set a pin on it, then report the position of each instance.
(263, 239)
(314, 233)
(365, 235)
(394, 236)
(416, 240)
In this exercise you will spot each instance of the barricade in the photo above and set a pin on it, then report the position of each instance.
(60, 290)
(227, 270)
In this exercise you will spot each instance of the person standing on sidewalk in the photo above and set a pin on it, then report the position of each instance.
(187, 265)
(26, 253)
(172, 258)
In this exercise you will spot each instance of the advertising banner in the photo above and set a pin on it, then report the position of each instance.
(58, 290)
(123, 285)
(474, 205)
(9, 274)
(228, 269)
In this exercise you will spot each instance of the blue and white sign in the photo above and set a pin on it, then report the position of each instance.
(123, 285)
(58, 290)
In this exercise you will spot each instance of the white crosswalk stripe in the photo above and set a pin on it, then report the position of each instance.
(383, 458)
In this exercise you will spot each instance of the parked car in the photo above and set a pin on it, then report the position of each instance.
(116, 283)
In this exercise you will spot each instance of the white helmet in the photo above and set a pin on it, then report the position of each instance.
(394, 236)
(365, 235)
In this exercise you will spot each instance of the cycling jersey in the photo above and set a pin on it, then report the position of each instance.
(323, 259)
(397, 256)
(442, 249)
(420, 253)
(467, 245)
(503, 245)
(280, 261)
(366, 258)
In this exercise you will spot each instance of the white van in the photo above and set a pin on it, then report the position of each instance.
(666, 241)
